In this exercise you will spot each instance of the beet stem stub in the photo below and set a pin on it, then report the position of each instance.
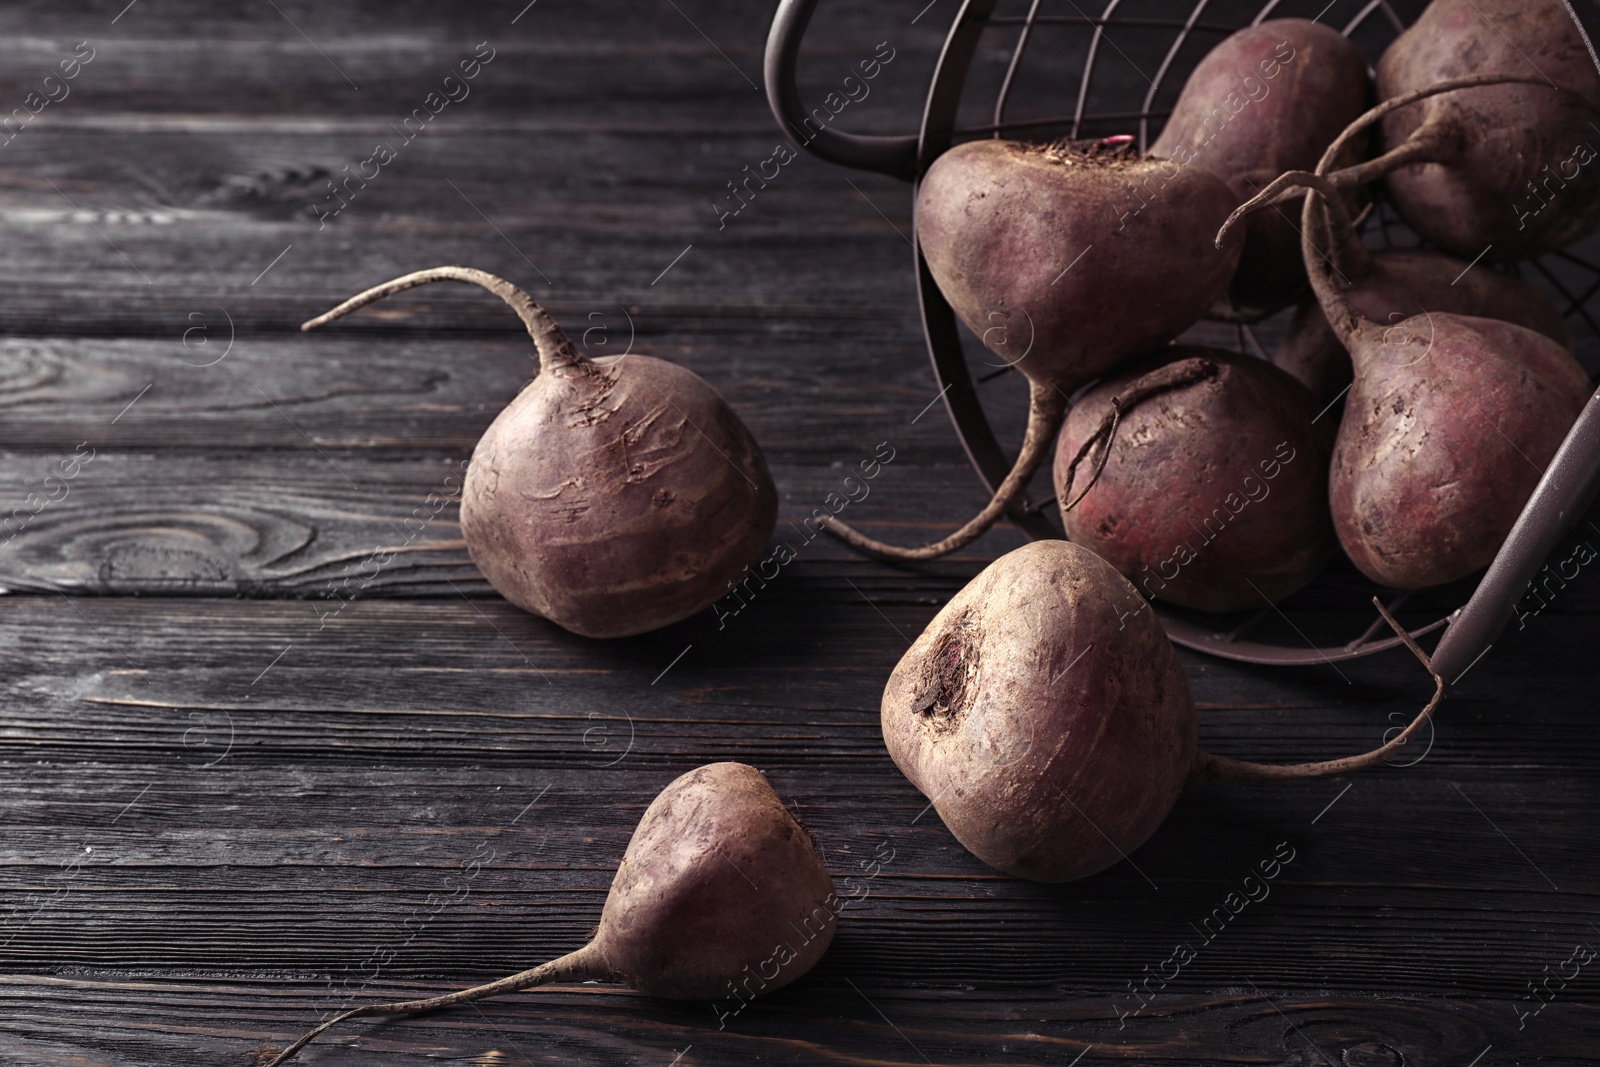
(553, 347)
(1212, 768)
(1045, 412)
(583, 965)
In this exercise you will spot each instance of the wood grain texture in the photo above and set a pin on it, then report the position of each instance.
(237, 754)
(237, 745)
(869, 1027)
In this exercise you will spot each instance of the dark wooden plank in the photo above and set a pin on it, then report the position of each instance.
(404, 393)
(341, 525)
(344, 526)
(824, 1020)
(204, 183)
(257, 795)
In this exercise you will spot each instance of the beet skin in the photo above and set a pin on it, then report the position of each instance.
(1215, 494)
(1267, 99)
(1044, 713)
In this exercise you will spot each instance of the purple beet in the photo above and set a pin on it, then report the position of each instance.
(720, 891)
(1389, 285)
(1509, 168)
(1203, 480)
(1045, 715)
(611, 496)
(1267, 99)
(1077, 256)
(1449, 425)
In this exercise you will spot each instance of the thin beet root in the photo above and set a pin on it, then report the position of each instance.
(1267, 99)
(1066, 259)
(1511, 168)
(1208, 767)
(719, 883)
(1210, 483)
(613, 496)
(1449, 424)
(1045, 715)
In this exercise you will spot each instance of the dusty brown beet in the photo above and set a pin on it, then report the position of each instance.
(1066, 259)
(1045, 715)
(1009, 760)
(1267, 99)
(1448, 426)
(1213, 493)
(612, 496)
(1512, 166)
(1388, 285)
(720, 894)
(1446, 431)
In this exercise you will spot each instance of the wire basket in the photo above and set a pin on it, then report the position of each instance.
(1112, 94)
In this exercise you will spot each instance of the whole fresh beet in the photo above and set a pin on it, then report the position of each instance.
(613, 496)
(1066, 259)
(1045, 715)
(1510, 168)
(1448, 427)
(1267, 99)
(718, 887)
(1210, 479)
(1385, 286)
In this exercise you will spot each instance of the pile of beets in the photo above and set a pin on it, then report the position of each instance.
(1043, 711)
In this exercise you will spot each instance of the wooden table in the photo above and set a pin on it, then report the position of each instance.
(245, 767)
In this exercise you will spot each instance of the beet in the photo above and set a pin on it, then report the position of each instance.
(1448, 427)
(1045, 715)
(1512, 167)
(1213, 492)
(1076, 255)
(1267, 99)
(613, 496)
(1389, 285)
(719, 884)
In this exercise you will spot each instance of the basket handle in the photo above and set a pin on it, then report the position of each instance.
(1568, 486)
(894, 156)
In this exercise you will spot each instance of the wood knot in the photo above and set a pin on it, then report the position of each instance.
(1373, 1054)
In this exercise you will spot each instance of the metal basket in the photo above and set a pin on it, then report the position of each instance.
(1568, 485)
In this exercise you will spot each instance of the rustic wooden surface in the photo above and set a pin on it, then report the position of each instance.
(234, 764)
